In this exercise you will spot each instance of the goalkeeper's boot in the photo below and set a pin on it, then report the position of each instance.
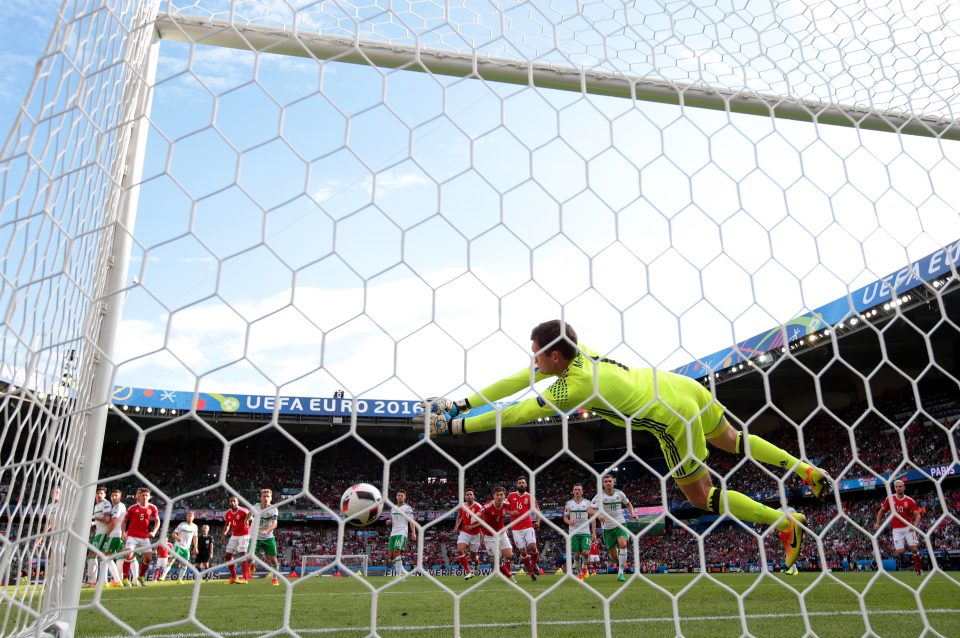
(794, 541)
(818, 482)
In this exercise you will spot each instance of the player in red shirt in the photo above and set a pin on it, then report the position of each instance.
(522, 513)
(140, 527)
(164, 549)
(469, 536)
(593, 562)
(237, 524)
(494, 514)
(904, 532)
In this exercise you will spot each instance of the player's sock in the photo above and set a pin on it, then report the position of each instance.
(91, 570)
(134, 569)
(916, 563)
(505, 569)
(462, 558)
(114, 570)
(398, 565)
(244, 569)
(233, 571)
(768, 453)
(746, 509)
(126, 569)
(527, 564)
(535, 559)
(621, 561)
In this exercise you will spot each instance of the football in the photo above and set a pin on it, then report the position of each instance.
(361, 504)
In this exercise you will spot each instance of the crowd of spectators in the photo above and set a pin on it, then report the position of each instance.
(859, 441)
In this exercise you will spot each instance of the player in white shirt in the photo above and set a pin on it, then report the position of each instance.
(582, 529)
(101, 526)
(266, 517)
(118, 512)
(610, 503)
(184, 546)
(401, 516)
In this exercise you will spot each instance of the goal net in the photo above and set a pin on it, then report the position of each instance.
(241, 239)
(331, 565)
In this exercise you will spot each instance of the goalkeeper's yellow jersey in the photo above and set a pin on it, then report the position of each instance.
(652, 400)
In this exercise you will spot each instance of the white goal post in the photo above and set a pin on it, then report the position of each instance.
(333, 182)
(331, 564)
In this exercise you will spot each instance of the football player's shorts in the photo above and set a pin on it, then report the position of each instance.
(134, 544)
(904, 537)
(580, 543)
(499, 542)
(524, 537)
(683, 428)
(472, 541)
(238, 544)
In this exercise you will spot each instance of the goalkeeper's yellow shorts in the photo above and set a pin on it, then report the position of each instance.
(685, 416)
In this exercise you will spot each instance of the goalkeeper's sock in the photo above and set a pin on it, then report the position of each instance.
(462, 558)
(768, 453)
(745, 508)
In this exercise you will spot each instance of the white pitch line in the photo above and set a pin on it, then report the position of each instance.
(505, 625)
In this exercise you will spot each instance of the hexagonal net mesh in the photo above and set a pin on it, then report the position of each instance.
(379, 200)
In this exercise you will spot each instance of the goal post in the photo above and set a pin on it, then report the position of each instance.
(331, 564)
(92, 186)
(597, 81)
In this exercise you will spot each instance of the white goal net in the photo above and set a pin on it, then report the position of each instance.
(242, 239)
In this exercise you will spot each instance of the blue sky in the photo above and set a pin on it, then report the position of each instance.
(398, 234)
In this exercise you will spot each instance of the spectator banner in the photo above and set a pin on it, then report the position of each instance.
(155, 400)
(934, 265)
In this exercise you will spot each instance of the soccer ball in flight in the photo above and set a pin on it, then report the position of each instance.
(361, 504)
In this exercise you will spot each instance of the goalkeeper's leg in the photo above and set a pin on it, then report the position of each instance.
(701, 493)
(732, 440)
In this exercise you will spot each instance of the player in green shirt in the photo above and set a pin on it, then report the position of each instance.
(677, 410)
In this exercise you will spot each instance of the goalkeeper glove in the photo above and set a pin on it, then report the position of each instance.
(440, 404)
(438, 424)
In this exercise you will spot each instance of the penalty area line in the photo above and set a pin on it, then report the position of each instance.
(549, 623)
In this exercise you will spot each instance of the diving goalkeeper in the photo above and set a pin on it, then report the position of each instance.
(677, 410)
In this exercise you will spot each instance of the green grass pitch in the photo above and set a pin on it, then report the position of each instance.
(773, 605)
